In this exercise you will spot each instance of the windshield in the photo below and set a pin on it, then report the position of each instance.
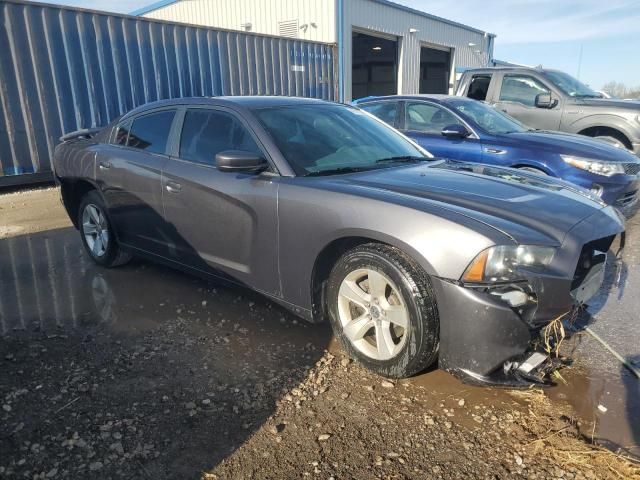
(570, 85)
(332, 139)
(488, 118)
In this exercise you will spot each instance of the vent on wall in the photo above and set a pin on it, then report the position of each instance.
(288, 28)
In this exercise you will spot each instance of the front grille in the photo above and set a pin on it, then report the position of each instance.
(590, 255)
(632, 168)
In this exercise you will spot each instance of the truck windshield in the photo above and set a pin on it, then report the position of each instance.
(335, 139)
(488, 118)
(569, 85)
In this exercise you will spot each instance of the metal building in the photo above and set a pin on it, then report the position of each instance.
(62, 69)
(383, 47)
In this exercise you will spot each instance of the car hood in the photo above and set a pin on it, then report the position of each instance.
(511, 201)
(569, 144)
(609, 103)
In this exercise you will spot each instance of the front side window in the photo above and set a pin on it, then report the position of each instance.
(330, 139)
(521, 89)
(428, 118)
(479, 87)
(151, 132)
(385, 111)
(206, 133)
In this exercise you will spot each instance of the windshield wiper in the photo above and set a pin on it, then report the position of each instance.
(335, 171)
(402, 158)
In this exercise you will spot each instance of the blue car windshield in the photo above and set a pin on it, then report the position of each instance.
(333, 139)
(569, 85)
(488, 118)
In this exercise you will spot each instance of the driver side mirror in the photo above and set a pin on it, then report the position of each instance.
(544, 100)
(455, 131)
(240, 161)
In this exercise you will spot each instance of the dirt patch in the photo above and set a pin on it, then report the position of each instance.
(31, 211)
(343, 422)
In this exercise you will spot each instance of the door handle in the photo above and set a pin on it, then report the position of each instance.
(495, 151)
(173, 187)
(104, 165)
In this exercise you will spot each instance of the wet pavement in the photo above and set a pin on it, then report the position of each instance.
(603, 382)
(143, 371)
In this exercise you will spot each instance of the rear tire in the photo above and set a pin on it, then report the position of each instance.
(383, 310)
(97, 234)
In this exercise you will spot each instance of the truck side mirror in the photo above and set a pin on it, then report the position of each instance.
(544, 100)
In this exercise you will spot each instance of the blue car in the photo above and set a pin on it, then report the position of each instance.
(464, 129)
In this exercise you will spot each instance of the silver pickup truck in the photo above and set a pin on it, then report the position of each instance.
(553, 100)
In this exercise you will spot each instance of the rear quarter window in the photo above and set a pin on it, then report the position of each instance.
(385, 111)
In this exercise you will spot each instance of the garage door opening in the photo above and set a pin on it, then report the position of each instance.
(435, 68)
(374, 66)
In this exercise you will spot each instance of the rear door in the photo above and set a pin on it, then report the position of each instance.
(129, 174)
(221, 222)
(424, 121)
(516, 96)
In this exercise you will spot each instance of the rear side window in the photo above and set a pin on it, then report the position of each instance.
(122, 134)
(151, 132)
(521, 89)
(428, 118)
(206, 133)
(479, 87)
(385, 111)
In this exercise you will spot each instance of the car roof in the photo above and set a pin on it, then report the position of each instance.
(513, 68)
(437, 98)
(248, 102)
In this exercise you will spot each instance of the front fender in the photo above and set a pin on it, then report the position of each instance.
(311, 219)
(617, 122)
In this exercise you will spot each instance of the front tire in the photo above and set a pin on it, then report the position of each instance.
(616, 142)
(383, 310)
(97, 233)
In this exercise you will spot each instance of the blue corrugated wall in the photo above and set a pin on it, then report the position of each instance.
(62, 69)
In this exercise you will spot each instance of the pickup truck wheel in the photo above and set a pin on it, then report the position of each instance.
(97, 234)
(383, 310)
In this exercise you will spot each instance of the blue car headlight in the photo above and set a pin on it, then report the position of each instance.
(599, 167)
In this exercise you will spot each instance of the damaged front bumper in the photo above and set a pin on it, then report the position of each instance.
(494, 334)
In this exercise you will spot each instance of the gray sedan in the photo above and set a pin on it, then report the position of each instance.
(335, 215)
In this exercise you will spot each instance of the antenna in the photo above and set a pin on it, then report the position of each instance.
(580, 61)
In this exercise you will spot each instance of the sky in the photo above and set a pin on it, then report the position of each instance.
(551, 33)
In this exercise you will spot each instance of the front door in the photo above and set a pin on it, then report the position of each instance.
(129, 173)
(424, 122)
(221, 222)
(517, 97)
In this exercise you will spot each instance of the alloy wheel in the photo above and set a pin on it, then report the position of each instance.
(372, 314)
(95, 230)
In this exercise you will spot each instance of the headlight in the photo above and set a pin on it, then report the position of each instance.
(594, 166)
(638, 118)
(500, 263)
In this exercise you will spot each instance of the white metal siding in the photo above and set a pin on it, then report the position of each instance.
(371, 17)
(263, 15)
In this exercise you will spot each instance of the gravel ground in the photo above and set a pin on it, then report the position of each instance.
(143, 372)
